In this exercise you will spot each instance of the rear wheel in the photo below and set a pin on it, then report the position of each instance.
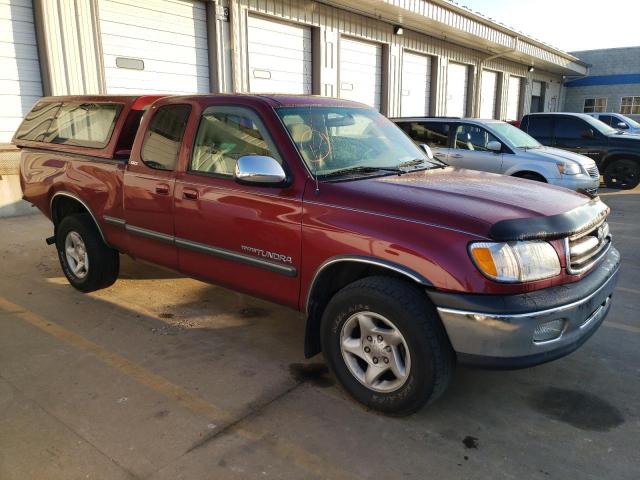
(623, 174)
(383, 340)
(87, 262)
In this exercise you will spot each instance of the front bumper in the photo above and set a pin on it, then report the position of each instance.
(578, 182)
(495, 331)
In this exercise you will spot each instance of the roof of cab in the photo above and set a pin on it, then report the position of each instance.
(273, 100)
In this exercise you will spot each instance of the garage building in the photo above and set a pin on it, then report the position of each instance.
(441, 59)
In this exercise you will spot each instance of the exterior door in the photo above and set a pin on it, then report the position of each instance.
(360, 72)
(19, 66)
(488, 95)
(470, 150)
(416, 85)
(149, 183)
(513, 98)
(457, 88)
(569, 134)
(280, 57)
(154, 46)
(245, 237)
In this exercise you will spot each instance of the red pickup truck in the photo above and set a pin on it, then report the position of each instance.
(405, 267)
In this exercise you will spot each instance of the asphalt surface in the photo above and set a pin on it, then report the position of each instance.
(164, 377)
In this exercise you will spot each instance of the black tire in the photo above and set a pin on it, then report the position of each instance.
(410, 311)
(103, 262)
(531, 176)
(623, 174)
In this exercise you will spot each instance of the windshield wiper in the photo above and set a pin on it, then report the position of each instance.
(360, 169)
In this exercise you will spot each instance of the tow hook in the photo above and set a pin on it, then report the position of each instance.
(51, 240)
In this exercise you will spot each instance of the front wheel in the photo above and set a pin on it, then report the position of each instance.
(623, 174)
(87, 262)
(383, 340)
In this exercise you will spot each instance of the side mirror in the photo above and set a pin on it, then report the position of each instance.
(427, 150)
(259, 170)
(622, 126)
(494, 146)
(588, 133)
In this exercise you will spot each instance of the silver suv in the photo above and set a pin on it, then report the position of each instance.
(498, 147)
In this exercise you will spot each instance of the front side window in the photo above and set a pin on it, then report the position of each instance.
(226, 134)
(332, 140)
(37, 122)
(630, 106)
(434, 134)
(570, 128)
(472, 137)
(609, 120)
(163, 137)
(592, 105)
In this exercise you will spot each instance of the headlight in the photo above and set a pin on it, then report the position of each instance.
(566, 168)
(515, 261)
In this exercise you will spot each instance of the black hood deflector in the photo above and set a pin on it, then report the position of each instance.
(573, 222)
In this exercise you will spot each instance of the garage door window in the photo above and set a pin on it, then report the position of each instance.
(164, 137)
(226, 134)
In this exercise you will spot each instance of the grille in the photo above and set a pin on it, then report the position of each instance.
(586, 249)
(593, 172)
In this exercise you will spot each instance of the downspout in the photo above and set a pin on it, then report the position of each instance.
(478, 85)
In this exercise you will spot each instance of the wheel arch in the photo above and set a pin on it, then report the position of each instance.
(338, 272)
(524, 173)
(65, 203)
(618, 156)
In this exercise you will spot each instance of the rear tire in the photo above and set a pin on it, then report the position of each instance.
(623, 174)
(384, 341)
(87, 262)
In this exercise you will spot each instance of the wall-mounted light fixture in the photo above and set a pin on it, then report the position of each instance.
(398, 30)
(531, 69)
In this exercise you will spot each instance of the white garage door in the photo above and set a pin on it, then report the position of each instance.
(280, 58)
(488, 95)
(457, 88)
(361, 71)
(416, 85)
(513, 98)
(20, 84)
(154, 46)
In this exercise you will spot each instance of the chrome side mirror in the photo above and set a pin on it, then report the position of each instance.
(622, 126)
(494, 146)
(427, 150)
(259, 170)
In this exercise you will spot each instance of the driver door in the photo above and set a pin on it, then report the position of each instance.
(470, 149)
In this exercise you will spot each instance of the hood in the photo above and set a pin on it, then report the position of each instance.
(458, 199)
(625, 139)
(558, 155)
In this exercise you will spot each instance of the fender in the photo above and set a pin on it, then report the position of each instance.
(401, 269)
(64, 193)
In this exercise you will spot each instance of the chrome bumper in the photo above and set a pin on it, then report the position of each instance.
(507, 340)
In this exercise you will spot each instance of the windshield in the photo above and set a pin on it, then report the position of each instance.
(513, 135)
(599, 126)
(631, 122)
(332, 139)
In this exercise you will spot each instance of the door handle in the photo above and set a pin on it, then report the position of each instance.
(457, 155)
(162, 189)
(436, 154)
(190, 194)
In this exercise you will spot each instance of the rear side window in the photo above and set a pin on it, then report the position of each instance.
(83, 124)
(434, 134)
(538, 127)
(37, 122)
(570, 128)
(164, 136)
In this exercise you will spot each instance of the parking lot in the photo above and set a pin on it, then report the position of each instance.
(164, 377)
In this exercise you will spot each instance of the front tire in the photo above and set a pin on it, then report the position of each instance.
(384, 341)
(623, 174)
(87, 262)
